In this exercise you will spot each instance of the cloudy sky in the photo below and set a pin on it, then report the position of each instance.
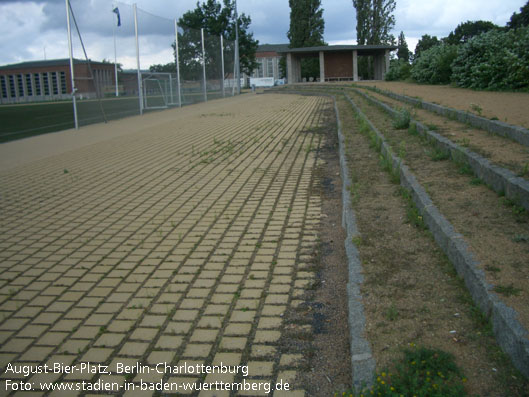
(36, 29)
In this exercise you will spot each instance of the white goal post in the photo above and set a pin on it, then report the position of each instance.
(160, 90)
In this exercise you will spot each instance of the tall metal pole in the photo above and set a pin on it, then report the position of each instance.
(204, 66)
(140, 88)
(72, 75)
(115, 59)
(222, 64)
(177, 63)
(237, 61)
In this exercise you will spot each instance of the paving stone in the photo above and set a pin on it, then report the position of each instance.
(157, 259)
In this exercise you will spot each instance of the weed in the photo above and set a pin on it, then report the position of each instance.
(412, 213)
(402, 120)
(519, 212)
(421, 372)
(465, 142)
(438, 154)
(476, 108)
(520, 238)
(392, 313)
(402, 149)
(412, 129)
(507, 290)
(432, 127)
(387, 165)
(357, 240)
(464, 169)
(65, 171)
(524, 171)
(476, 182)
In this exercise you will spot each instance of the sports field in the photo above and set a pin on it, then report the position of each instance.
(30, 119)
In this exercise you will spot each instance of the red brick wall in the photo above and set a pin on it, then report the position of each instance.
(338, 64)
(269, 54)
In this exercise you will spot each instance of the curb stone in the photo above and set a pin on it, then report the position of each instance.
(510, 334)
(514, 132)
(362, 361)
(499, 179)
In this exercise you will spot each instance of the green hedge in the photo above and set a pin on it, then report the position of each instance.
(495, 60)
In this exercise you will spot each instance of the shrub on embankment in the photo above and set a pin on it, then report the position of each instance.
(494, 60)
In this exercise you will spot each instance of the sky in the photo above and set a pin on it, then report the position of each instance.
(36, 29)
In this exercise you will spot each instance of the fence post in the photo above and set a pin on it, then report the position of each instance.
(177, 63)
(72, 75)
(222, 64)
(204, 66)
(140, 88)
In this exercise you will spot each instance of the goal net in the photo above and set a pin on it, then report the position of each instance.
(160, 90)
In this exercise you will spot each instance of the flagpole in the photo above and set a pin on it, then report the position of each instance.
(115, 60)
(140, 87)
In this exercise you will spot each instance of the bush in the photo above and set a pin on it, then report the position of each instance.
(434, 65)
(495, 60)
(399, 69)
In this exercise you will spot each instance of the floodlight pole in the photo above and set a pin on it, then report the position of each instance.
(237, 65)
(72, 75)
(177, 60)
(204, 66)
(140, 88)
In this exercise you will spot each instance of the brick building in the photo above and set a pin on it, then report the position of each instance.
(267, 57)
(50, 80)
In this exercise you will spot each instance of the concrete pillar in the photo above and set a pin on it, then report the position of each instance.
(322, 67)
(379, 66)
(386, 70)
(355, 65)
(290, 66)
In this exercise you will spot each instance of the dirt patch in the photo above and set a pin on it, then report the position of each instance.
(326, 349)
(499, 150)
(509, 107)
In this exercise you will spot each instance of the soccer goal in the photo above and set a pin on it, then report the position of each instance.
(160, 90)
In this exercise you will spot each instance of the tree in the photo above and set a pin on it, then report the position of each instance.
(306, 30)
(465, 31)
(425, 43)
(374, 21)
(519, 19)
(402, 51)
(216, 19)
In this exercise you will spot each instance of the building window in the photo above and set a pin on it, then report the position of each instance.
(63, 83)
(46, 82)
(20, 79)
(4, 86)
(54, 83)
(269, 67)
(29, 86)
(12, 89)
(36, 78)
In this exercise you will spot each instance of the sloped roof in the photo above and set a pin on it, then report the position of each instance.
(330, 48)
(271, 47)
